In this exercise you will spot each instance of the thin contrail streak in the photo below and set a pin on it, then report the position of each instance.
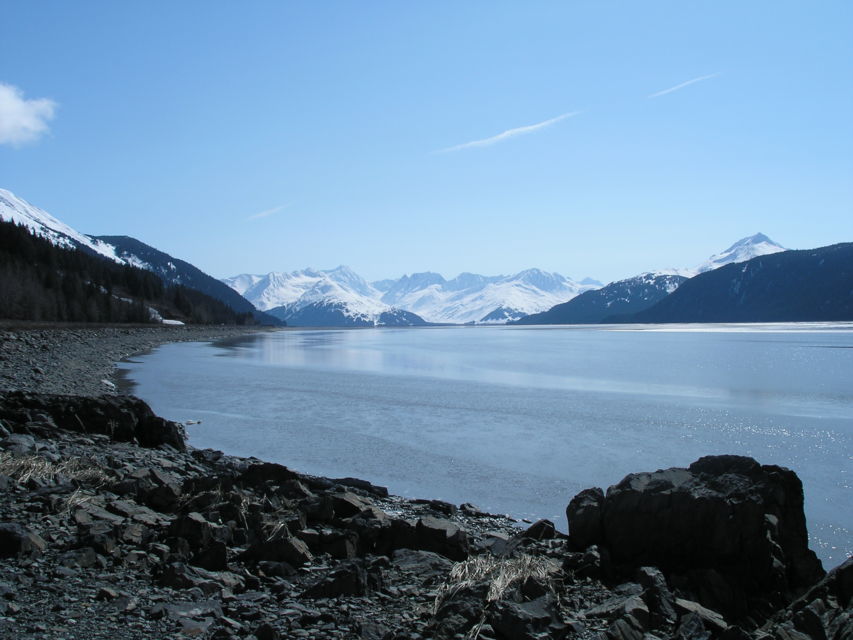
(684, 84)
(509, 133)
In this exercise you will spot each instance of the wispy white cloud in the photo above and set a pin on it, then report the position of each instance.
(509, 133)
(22, 120)
(268, 212)
(683, 84)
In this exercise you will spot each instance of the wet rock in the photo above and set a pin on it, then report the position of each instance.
(262, 473)
(524, 620)
(106, 593)
(122, 418)
(443, 537)
(657, 596)
(439, 506)
(19, 444)
(265, 631)
(711, 620)
(626, 627)
(184, 609)
(690, 627)
(353, 578)
(363, 485)
(424, 564)
(541, 530)
(181, 576)
(731, 529)
(200, 532)
(347, 504)
(82, 558)
(825, 611)
(584, 514)
(18, 540)
(281, 548)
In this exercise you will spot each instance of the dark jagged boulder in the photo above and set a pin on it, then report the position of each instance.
(824, 611)
(17, 540)
(353, 578)
(261, 473)
(728, 529)
(122, 418)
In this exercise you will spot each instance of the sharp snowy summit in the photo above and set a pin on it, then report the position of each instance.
(741, 251)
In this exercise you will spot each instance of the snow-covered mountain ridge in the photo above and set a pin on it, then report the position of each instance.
(469, 297)
(44, 225)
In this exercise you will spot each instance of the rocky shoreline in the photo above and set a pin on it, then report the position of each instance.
(79, 360)
(111, 526)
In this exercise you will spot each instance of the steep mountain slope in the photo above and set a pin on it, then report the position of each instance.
(44, 225)
(123, 250)
(632, 295)
(175, 271)
(622, 297)
(43, 281)
(790, 286)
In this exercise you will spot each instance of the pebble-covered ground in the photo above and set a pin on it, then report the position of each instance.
(81, 360)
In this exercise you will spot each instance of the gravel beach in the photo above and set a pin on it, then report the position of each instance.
(81, 360)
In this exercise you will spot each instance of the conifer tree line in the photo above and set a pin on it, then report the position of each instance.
(42, 282)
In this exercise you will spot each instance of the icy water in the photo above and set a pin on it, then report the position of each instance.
(519, 419)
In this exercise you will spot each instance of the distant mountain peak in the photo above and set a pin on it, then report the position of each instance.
(741, 251)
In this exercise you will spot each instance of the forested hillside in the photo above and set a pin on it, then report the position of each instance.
(43, 282)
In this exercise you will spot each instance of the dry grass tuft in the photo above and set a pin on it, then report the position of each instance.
(74, 500)
(25, 468)
(500, 573)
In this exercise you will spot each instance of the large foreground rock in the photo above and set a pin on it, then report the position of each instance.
(122, 418)
(727, 528)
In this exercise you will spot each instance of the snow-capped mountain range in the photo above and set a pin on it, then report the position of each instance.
(469, 297)
(340, 296)
(466, 298)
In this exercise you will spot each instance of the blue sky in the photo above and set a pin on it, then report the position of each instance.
(250, 137)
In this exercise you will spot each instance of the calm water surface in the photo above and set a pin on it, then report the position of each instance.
(519, 419)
